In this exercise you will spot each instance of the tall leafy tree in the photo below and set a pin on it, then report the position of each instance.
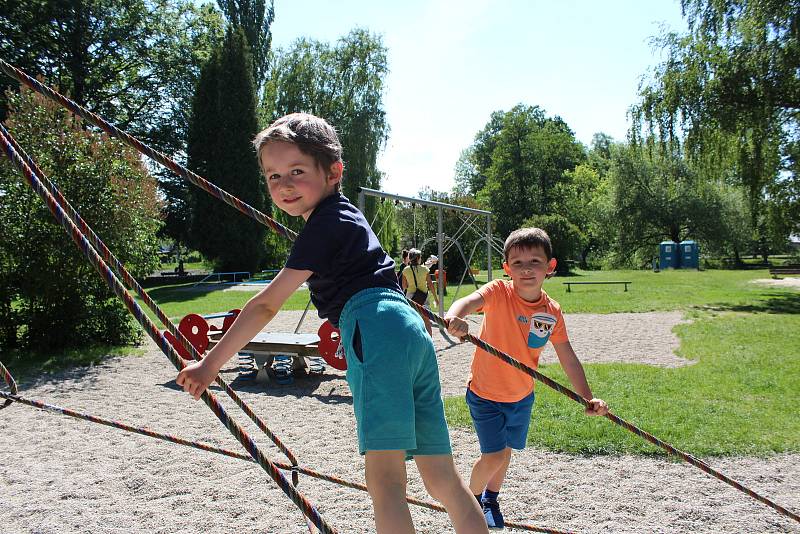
(656, 196)
(475, 161)
(343, 83)
(730, 87)
(221, 131)
(134, 62)
(50, 296)
(255, 18)
(530, 154)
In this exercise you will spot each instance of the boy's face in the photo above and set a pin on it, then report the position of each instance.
(295, 182)
(528, 267)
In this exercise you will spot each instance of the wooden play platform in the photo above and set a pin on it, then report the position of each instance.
(266, 345)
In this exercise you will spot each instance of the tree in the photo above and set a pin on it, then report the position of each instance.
(581, 203)
(475, 161)
(530, 153)
(566, 239)
(731, 87)
(343, 84)
(50, 296)
(255, 18)
(221, 130)
(656, 196)
(133, 62)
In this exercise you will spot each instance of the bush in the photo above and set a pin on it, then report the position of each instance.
(50, 295)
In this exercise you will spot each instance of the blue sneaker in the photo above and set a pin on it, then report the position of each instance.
(491, 511)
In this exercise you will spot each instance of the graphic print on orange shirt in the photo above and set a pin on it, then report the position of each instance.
(541, 326)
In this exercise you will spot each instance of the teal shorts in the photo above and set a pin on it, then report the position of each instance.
(393, 375)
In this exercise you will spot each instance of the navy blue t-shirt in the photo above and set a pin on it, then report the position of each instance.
(339, 246)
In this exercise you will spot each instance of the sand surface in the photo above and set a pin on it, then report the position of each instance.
(58, 474)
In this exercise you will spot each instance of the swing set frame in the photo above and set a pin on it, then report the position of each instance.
(364, 192)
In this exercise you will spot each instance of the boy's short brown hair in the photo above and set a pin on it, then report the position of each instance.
(312, 135)
(528, 238)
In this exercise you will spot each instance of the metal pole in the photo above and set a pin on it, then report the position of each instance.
(440, 288)
(361, 201)
(489, 247)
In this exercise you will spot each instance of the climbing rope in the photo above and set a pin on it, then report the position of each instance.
(239, 433)
(9, 380)
(51, 408)
(150, 328)
(131, 282)
(173, 166)
(618, 420)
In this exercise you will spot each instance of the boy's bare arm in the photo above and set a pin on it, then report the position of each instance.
(455, 316)
(574, 370)
(258, 311)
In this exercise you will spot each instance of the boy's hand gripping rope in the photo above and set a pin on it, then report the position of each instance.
(618, 420)
(150, 328)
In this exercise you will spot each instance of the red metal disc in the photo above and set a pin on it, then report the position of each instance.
(330, 347)
(195, 329)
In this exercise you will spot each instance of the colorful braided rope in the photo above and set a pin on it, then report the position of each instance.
(623, 423)
(9, 380)
(131, 282)
(150, 328)
(232, 454)
(170, 164)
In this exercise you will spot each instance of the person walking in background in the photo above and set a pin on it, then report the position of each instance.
(417, 284)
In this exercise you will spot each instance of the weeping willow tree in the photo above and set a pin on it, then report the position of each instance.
(729, 95)
(344, 84)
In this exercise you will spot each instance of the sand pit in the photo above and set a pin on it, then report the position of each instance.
(63, 475)
(790, 282)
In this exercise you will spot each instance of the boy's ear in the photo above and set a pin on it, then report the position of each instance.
(335, 172)
(551, 266)
(506, 269)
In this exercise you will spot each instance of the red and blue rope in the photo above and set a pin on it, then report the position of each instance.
(170, 164)
(150, 328)
(618, 420)
(131, 282)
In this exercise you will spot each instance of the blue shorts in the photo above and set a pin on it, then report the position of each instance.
(500, 424)
(393, 375)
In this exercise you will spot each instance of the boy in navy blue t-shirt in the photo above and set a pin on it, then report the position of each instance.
(391, 362)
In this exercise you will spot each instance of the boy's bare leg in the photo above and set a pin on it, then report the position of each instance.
(386, 482)
(446, 486)
(489, 470)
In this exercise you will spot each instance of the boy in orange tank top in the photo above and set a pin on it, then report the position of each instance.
(519, 319)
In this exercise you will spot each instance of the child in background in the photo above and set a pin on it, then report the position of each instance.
(391, 362)
(519, 319)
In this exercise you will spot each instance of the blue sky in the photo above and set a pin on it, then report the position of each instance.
(452, 63)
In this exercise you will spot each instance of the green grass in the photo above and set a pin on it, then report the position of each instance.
(649, 291)
(179, 300)
(740, 397)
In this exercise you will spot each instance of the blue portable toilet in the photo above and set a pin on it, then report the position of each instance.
(668, 255)
(689, 254)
